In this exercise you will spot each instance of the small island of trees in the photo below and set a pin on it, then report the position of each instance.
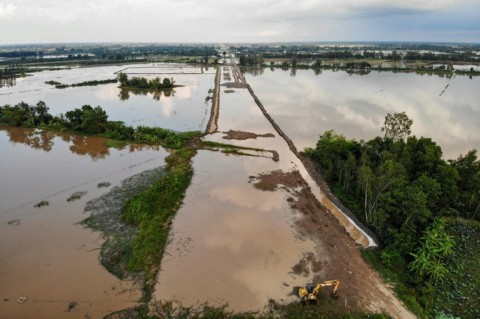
(138, 83)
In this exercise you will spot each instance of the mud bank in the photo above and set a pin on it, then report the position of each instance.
(106, 215)
(356, 230)
(336, 255)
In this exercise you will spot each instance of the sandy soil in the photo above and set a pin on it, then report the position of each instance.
(337, 255)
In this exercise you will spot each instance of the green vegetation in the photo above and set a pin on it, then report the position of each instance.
(14, 72)
(458, 295)
(326, 308)
(152, 211)
(401, 188)
(89, 120)
(59, 85)
(144, 84)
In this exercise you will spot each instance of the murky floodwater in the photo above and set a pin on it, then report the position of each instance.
(231, 242)
(307, 105)
(45, 255)
(182, 109)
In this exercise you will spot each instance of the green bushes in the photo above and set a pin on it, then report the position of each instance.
(145, 84)
(89, 120)
(400, 186)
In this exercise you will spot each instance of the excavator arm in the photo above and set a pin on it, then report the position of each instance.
(311, 291)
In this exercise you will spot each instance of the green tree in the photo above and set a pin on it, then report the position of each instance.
(41, 112)
(397, 126)
(468, 168)
(122, 79)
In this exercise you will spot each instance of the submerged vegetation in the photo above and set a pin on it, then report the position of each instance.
(401, 188)
(59, 85)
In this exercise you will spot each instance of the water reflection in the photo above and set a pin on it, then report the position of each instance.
(124, 94)
(8, 82)
(358, 71)
(355, 105)
(94, 147)
(31, 137)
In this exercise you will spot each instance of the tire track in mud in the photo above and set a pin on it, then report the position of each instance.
(344, 259)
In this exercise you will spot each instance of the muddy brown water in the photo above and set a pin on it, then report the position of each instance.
(252, 229)
(355, 105)
(45, 255)
(232, 242)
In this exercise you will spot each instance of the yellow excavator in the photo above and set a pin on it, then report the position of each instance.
(310, 292)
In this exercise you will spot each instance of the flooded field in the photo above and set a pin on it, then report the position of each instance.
(183, 109)
(306, 105)
(254, 225)
(251, 228)
(232, 242)
(45, 254)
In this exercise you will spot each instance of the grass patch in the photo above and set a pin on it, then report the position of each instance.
(152, 212)
(115, 143)
(394, 275)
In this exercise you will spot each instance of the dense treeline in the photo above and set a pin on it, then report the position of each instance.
(248, 59)
(401, 188)
(88, 120)
(384, 51)
(12, 72)
(145, 84)
(109, 52)
(19, 54)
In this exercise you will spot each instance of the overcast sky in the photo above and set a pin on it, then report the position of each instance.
(37, 21)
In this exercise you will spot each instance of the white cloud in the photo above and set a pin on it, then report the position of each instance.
(239, 21)
(7, 10)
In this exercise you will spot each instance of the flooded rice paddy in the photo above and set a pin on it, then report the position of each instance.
(182, 109)
(307, 104)
(45, 254)
(235, 239)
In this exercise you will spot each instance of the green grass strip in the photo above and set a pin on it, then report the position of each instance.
(152, 212)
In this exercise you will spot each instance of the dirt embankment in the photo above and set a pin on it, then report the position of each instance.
(212, 125)
(336, 256)
(357, 231)
(241, 135)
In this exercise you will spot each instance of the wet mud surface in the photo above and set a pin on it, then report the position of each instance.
(106, 216)
(336, 255)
